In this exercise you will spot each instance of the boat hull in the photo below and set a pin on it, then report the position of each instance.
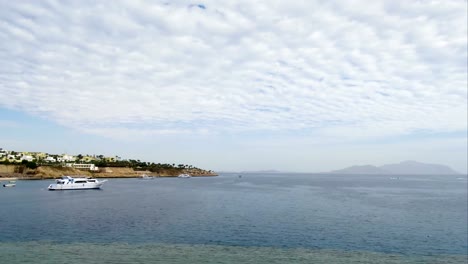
(64, 187)
(70, 183)
(52, 188)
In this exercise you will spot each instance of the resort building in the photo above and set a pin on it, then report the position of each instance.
(27, 158)
(11, 157)
(65, 158)
(112, 159)
(90, 167)
(88, 158)
(50, 159)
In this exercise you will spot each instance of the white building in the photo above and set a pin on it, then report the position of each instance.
(50, 159)
(27, 158)
(65, 158)
(90, 167)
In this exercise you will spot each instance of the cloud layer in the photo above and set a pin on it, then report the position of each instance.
(138, 68)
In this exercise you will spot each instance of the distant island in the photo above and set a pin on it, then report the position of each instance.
(404, 167)
(41, 165)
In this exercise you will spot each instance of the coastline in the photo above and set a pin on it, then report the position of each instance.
(8, 179)
(18, 172)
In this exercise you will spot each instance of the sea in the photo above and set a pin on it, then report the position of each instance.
(240, 218)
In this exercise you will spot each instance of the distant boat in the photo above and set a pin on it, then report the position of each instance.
(10, 184)
(70, 183)
(184, 175)
(146, 177)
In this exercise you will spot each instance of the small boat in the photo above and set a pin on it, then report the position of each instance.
(184, 175)
(146, 177)
(70, 183)
(10, 184)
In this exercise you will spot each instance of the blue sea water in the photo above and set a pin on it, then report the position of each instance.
(256, 218)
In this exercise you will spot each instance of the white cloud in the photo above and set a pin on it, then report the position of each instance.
(355, 70)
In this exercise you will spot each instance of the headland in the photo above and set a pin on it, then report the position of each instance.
(21, 172)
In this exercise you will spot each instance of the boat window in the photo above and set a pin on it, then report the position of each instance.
(91, 180)
(80, 181)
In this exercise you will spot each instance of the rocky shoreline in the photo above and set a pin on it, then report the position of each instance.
(48, 172)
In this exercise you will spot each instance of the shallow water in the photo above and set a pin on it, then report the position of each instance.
(277, 218)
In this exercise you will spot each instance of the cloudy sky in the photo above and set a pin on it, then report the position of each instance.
(302, 86)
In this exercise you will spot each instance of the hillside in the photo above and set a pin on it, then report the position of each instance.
(404, 167)
(51, 172)
(360, 169)
(414, 167)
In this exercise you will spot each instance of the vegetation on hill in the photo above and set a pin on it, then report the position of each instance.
(51, 165)
(138, 165)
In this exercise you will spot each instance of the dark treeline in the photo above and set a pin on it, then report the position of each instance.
(136, 165)
(143, 166)
(28, 164)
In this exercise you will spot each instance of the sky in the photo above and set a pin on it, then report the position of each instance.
(304, 86)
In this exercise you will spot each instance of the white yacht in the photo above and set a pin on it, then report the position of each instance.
(10, 184)
(184, 175)
(70, 183)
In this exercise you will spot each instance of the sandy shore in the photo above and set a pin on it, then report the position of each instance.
(8, 179)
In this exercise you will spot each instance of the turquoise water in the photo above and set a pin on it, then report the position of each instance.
(278, 218)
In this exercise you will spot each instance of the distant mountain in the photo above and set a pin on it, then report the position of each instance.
(362, 169)
(404, 167)
(414, 167)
